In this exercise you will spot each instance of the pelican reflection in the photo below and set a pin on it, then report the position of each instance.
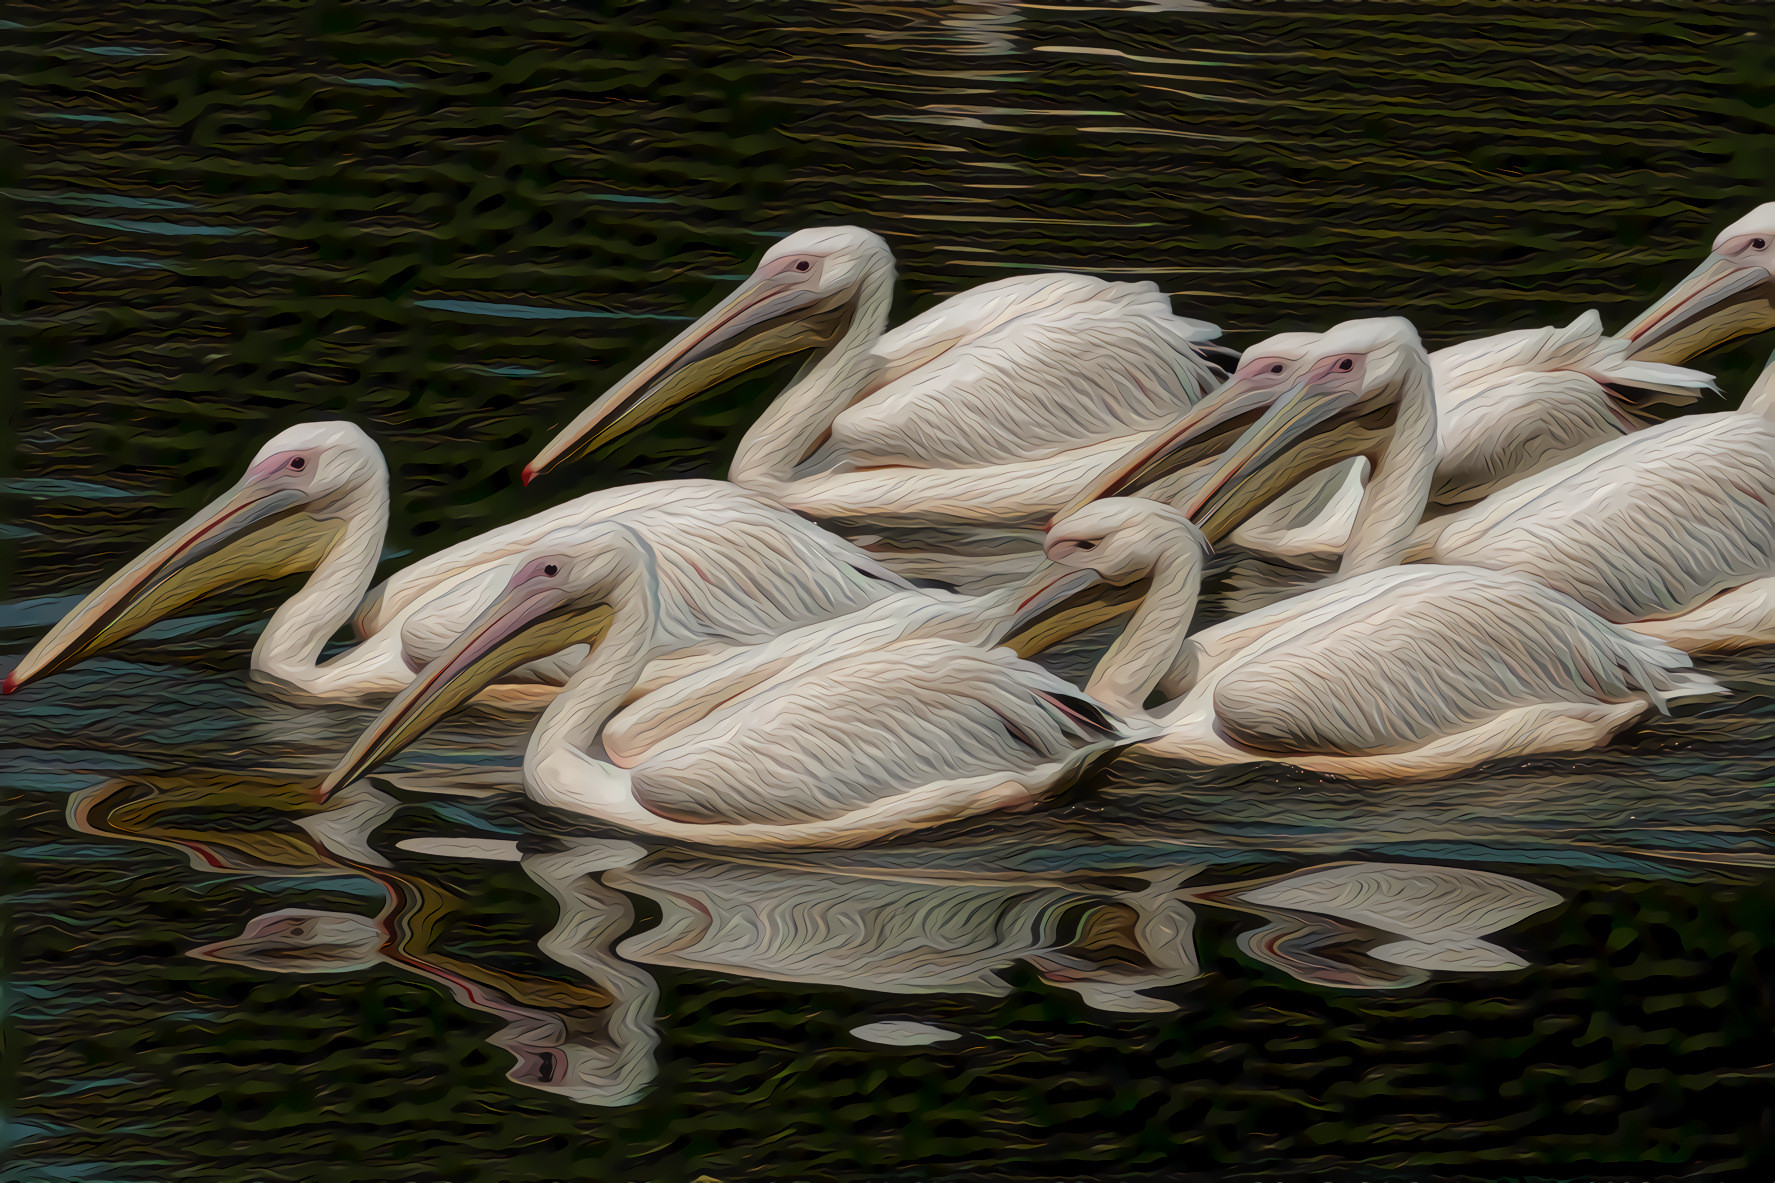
(589, 1037)
(1120, 936)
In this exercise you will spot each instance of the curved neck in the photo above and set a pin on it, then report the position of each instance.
(1397, 493)
(797, 421)
(564, 764)
(1155, 638)
(289, 649)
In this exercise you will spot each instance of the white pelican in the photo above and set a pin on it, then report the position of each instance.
(992, 409)
(1515, 404)
(858, 747)
(1670, 530)
(733, 568)
(1402, 673)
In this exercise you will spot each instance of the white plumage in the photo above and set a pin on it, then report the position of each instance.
(1510, 405)
(1400, 673)
(1507, 406)
(1643, 529)
(1108, 361)
(863, 727)
(809, 747)
(1390, 661)
(1670, 530)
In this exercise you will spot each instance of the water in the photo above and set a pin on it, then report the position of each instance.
(454, 224)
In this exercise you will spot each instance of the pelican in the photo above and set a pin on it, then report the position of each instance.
(992, 409)
(858, 747)
(1669, 531)
(1401, 673)
(1512, 405)
(734, 568)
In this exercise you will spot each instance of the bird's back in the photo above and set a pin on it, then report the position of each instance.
(1641, 528)
(865, 727)
(1034, 381)
(1416, 653)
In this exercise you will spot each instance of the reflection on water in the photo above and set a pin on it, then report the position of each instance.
(1122, 940)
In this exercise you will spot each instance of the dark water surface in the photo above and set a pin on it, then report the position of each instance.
(454, 223)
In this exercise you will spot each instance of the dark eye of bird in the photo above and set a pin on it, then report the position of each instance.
(1086, 545)
(1345, 364)
(298, 464)
(551, 569)
(1275, 369)
(1757, 244)
(802, 264)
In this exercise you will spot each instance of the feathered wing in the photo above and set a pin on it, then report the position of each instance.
(1640, 529)
(979, 310)
(747, 571)
(732, 566)
(869, 726)
(1465, 370)
(1039, 383)
(685, 700)
(1415, 654)
(398, 591)
(1513, 404)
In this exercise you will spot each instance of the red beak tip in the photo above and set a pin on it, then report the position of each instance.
(529, 473)
(9, 685)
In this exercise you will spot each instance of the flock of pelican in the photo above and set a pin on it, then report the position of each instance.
(1483, 552)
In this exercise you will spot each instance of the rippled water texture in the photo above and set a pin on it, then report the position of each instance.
(454, 223)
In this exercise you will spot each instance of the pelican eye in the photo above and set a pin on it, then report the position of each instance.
(1276, 369)
(551, 569)
(1087, 545)
(802, 264)
(1346, 364)
(298, 463)
(1757, 244)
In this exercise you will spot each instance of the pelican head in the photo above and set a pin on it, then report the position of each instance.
(566, 591)
(301, 940)
(282, 517)
(804, 294)
(1266, 370)
(1732, 294)
(1118, 541)
(1337, 395)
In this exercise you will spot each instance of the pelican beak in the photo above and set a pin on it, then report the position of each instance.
(1199, 436)
(764, 319)
(1069, 603)
(248, 533)
(1719, 301)
(1314, 425)
(531, 619)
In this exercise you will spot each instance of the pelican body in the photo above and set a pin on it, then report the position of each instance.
(1406, 673)
(990, 410)
(836, 750)
(1512, 405)
(734, 569)
(1387, 672)
(1669, 531)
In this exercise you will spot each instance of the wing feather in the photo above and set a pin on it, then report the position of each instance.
(861, 728)
(1513, 404)
(1642, 529)
(732, 567)
(1415, 654)
(979, 310)
(1036, 384)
